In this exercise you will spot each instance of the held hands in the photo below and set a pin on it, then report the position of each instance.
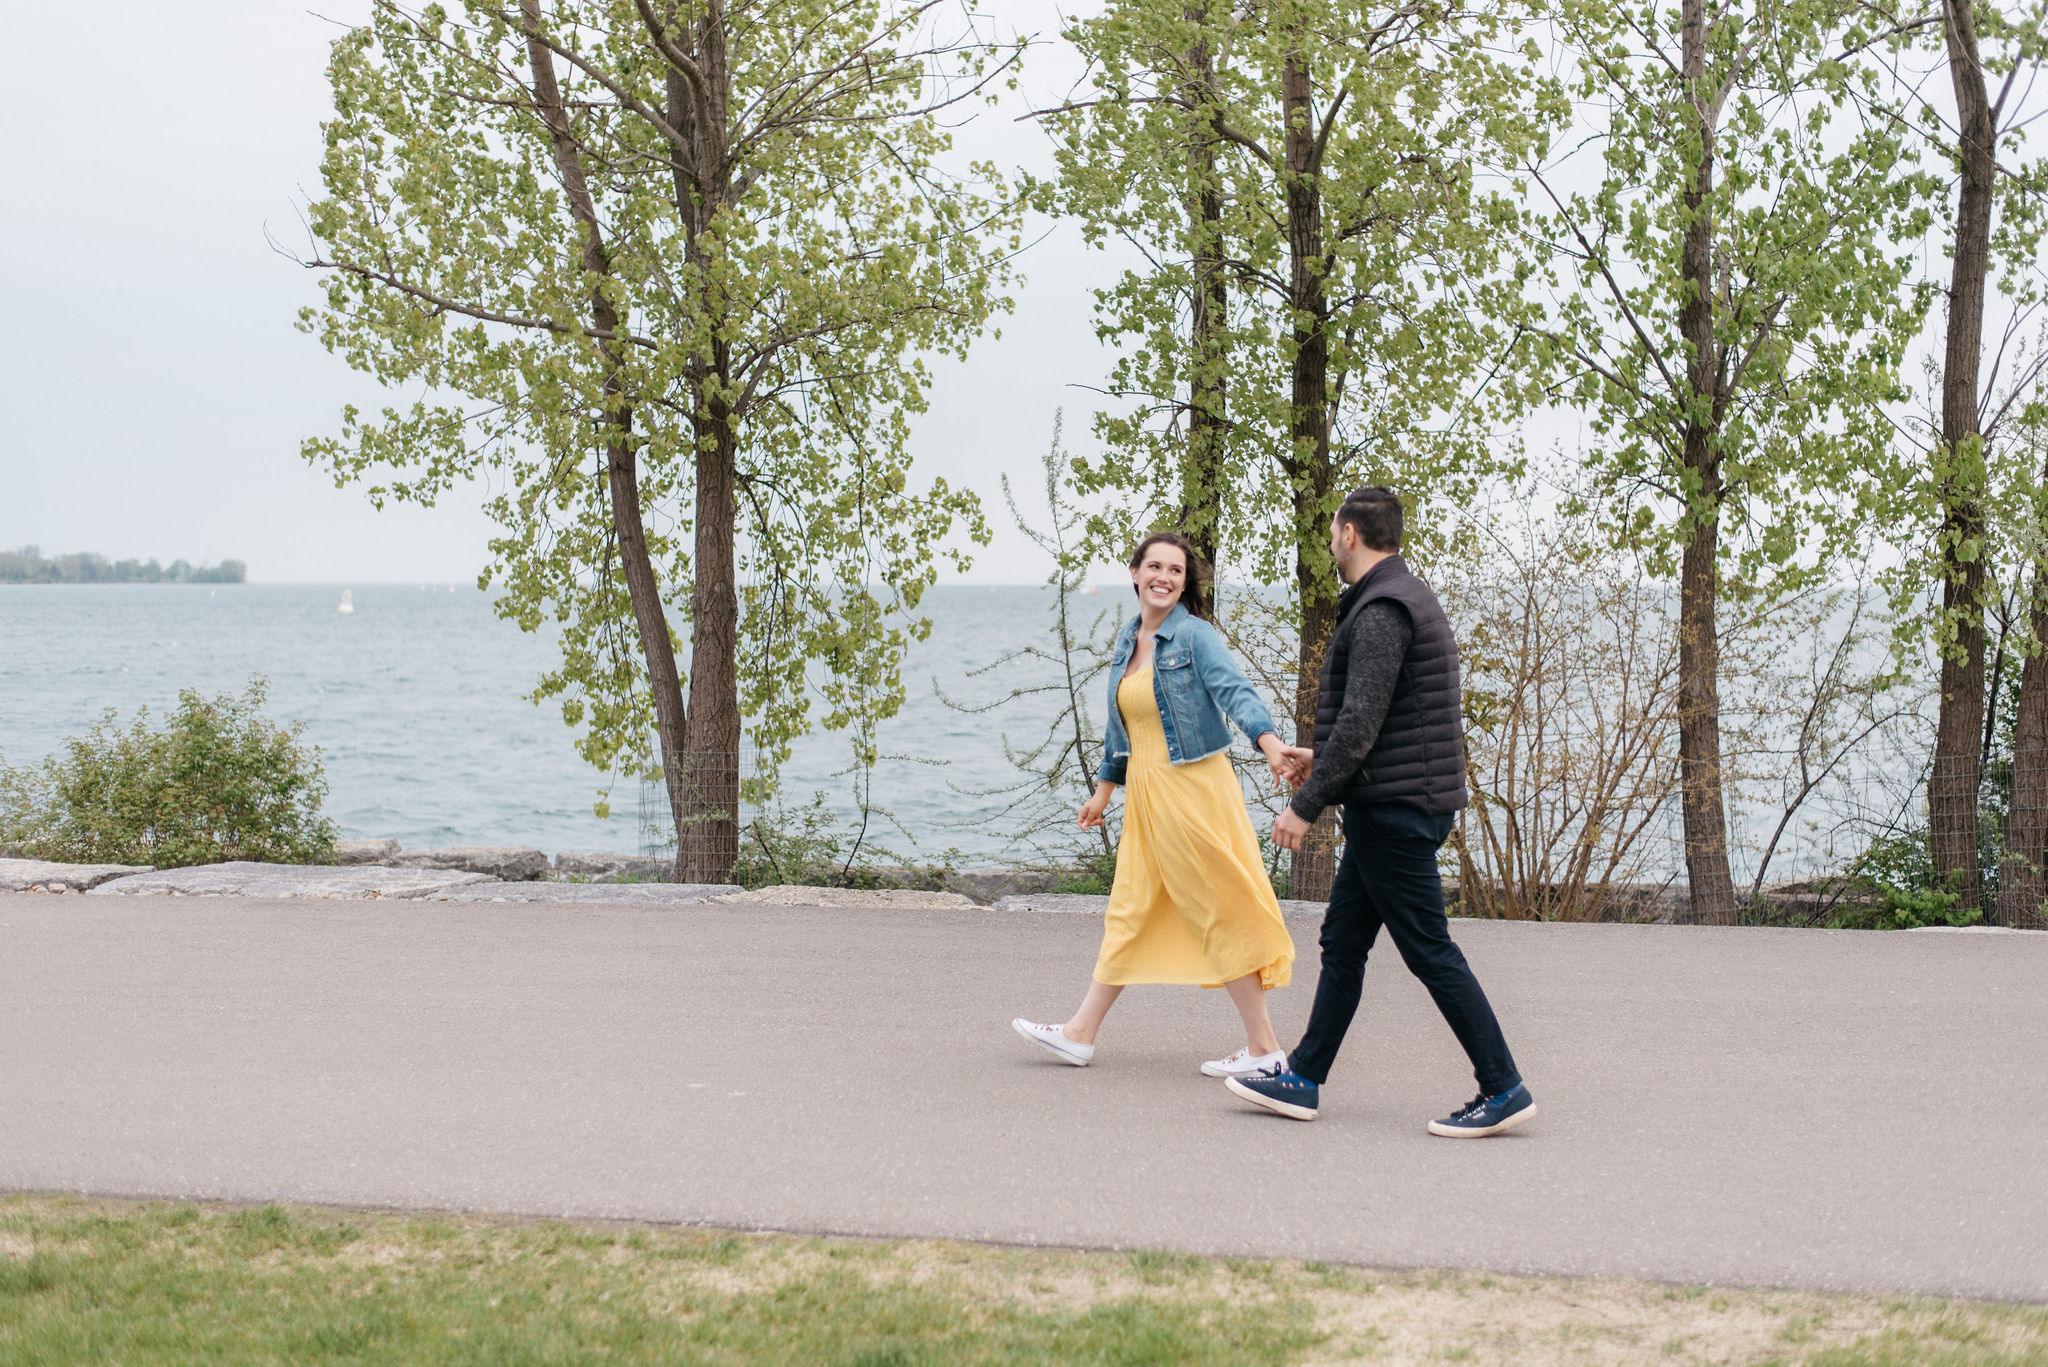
(1304, 761)
(1290, 764)
(1290, 830)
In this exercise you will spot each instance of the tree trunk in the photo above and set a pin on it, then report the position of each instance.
(1997, 655)
(714, 653)
(708, 815)
(1201, 511)
(1699, 732)
(629, 527)
(1314, 866)
(1308, 458)
(671, 721)
(1699, 645)
(2021, 884)
(1952, 788)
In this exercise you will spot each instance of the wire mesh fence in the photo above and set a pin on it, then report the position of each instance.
(695, 814)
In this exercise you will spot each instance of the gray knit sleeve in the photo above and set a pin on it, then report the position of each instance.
(1380, 634)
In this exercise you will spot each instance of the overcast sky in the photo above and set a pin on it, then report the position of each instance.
(155, 390)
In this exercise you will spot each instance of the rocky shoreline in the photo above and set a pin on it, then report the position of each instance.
(384, 870)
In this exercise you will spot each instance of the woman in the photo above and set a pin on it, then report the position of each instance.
(1191, 902)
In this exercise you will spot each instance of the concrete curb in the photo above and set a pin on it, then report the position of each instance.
(614, 894)
(243, 878)
(42, 875)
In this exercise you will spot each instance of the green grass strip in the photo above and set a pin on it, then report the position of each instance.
(148, 1283)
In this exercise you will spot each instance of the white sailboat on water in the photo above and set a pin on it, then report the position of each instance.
(348, 603)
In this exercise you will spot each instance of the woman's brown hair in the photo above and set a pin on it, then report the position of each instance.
(1195, 592)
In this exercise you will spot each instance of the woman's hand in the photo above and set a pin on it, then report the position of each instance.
(1092, 810)
(1288, 764)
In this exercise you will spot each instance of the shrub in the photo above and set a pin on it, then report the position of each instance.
(811, 846)
(1092, 873)
(218, 782)
(803, 846)
(1900, 889)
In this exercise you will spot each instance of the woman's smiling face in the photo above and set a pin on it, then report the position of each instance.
(1160, 576)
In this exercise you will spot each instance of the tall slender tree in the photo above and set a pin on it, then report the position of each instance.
(1204, 466)
(676, 263)
(2023, 865)
(1369, 268)
(1738, 315)
(1993, 231)
(1958, 773)
(1140, 153)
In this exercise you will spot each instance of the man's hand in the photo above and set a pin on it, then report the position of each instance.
(1289, 763)
(1303, 760)
(1289, 830)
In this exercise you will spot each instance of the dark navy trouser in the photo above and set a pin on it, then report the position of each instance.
(1389, 877)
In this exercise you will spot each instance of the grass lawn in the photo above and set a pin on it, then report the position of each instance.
(146, 1283)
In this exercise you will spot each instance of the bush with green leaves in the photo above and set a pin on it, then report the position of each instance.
(1899, 888)
(218, 782)
(812, 846)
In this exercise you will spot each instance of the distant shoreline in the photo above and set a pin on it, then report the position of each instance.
(29, 565)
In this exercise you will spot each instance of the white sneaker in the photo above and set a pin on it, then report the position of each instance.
(1054, 1041)
(1243, 1063)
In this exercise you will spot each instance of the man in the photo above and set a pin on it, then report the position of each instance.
(1390, 747)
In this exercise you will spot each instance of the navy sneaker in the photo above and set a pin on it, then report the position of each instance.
(1485, 1115)
(1280, 1090)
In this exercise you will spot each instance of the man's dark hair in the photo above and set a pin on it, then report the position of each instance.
(1374, 512)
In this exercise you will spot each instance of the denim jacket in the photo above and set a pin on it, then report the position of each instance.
(1195, 683)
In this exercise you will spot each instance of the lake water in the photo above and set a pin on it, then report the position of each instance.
(415, 701)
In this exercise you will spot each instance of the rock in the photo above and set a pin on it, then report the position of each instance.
(983, 885)
(900, 899)
(610, 868)
(365, 851)
(673, 894)
(1810, 900)
(1654, 903)
(1085, 904)
(988, 886)
(246, 879)
(513, 863)
(40, 875)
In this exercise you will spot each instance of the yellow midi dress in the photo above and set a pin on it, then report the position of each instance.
(1191, 902)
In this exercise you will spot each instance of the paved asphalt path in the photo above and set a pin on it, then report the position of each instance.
(1807, 1108)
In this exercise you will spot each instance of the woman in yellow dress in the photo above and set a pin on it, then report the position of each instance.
(1191, 902)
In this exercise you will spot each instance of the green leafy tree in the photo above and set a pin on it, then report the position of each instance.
(1739, 310)
(2011, 514)
(219, 781)
(1333, 293)
(1977, 471)
(671, 270)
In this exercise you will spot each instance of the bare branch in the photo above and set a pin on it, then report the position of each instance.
(443, 304)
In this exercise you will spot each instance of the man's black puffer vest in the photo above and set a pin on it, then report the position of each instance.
(1419, 758)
